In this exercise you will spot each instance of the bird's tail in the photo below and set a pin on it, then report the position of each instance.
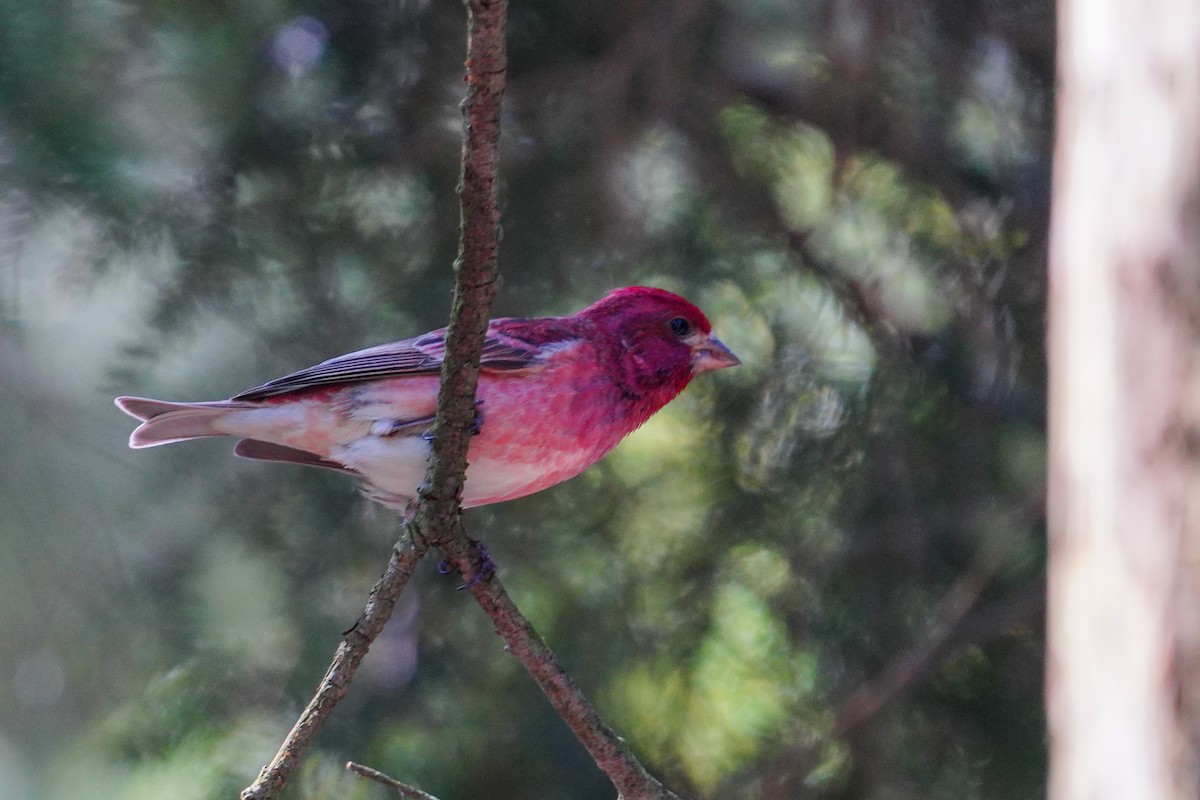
(164, 422)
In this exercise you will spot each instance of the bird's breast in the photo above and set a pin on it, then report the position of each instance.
(540, 429)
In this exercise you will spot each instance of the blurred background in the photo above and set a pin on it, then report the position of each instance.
(818, 575)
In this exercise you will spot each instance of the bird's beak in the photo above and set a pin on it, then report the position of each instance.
(711, 353)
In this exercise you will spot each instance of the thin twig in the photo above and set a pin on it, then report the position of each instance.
(402, 789)
(903, 670)
(915, 662)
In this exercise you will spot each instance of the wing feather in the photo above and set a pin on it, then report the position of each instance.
(504, 350)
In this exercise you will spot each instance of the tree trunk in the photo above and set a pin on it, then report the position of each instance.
(1123, 673)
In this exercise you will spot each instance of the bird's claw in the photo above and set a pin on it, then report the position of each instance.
(475, 428)
(394, 427)
(486, 568)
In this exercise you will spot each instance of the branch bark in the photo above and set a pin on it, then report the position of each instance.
(437, 517)
(1123, 629)
(401, 789)
(608, 749)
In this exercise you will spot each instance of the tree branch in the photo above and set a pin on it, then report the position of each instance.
(436, 519)
(437, 515)
(914, 663)
(917, 661)
(402, 789)
(608, 750)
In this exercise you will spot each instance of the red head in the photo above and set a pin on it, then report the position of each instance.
(655, 341)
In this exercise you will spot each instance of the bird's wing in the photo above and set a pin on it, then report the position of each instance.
(504, 350)
(268, 451)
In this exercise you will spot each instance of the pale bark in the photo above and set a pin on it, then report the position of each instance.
(1124, 315)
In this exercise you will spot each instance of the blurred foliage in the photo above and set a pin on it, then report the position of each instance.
(818, 575)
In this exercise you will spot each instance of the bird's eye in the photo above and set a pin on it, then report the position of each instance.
(679, 326)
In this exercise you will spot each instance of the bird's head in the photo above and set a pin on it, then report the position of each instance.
(657, 340)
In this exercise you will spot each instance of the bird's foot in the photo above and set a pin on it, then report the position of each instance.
(485, 568)
(397, 427)
(475, 428)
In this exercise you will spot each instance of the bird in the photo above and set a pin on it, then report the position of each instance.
(554, 395)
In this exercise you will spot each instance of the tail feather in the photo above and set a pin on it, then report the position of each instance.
(165, 422)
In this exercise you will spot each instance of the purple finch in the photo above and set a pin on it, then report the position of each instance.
(555, 394)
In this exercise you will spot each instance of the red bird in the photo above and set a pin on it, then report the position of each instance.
(555, 394)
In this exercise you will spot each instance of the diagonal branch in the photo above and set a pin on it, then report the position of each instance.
(336, 683)
(917, 661)
(609, 750)
(401, 789)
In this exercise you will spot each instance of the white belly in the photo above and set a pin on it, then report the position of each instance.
(395, 467)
